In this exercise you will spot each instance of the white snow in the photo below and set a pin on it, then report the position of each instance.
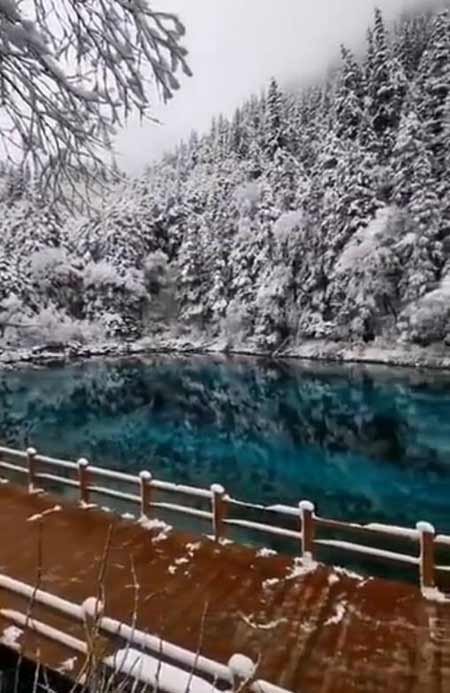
(92, 607)
(128, 516)
(433, 594)
(193, 547)
(44, 513)
(333, 579)
(348, 573)
(365, 243)
(242, 667)
(249, 620)
(265, 553)
(270, 582)
(339, 615)
(162, 528)
(302, 566)
(157, 674)
(10, 636)
(425, 528)
(392, 529)
(223, 541)
(68, 664)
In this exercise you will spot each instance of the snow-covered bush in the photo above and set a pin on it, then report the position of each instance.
(51, 325)
(428, 320)
(156, 272)
(237, 324)
(247, 197)
(57, 279)
(109, 292)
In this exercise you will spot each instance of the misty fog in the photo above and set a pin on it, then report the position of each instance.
(237, 45)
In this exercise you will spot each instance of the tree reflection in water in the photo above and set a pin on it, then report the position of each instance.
(363, 443)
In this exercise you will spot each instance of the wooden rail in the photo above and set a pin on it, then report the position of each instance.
(143, 489)
(146, 658)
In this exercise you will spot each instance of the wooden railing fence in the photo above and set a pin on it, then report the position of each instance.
(142, 490)
(146, 658)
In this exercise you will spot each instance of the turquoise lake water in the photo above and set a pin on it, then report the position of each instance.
(365, 444)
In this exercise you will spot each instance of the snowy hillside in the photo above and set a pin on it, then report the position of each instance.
(323, 214)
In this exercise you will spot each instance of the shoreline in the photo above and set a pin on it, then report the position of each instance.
(435, 357)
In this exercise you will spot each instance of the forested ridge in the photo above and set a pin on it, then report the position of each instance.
(319, 214)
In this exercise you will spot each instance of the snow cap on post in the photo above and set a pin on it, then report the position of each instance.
(217, 489)
(92, 608)
(31, 452)
(242, 667)
(306, 505)
(145, 476)
(425, 527)
(82, 462)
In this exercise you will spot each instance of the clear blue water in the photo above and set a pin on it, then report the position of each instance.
(365, 444)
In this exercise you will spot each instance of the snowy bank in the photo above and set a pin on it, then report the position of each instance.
(378, 352)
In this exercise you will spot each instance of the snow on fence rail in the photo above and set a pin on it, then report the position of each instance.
(146, 657)
(140, 489)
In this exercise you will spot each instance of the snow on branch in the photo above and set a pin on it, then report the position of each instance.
(72, 71)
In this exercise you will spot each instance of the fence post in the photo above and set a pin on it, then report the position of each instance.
(219, 511)
(146, 491)
(307, 528)
(31, 462)
(426, 560)
(83, 479)
(92, 610)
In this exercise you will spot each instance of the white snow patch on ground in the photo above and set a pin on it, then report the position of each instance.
(302, 566)
(4, 481)
(265, 553)
(160, 526)
(332, 579)
(364, 582)
(127, 516)
(270, 582)
(67, 665)
(339, 615)
(222, 541)
(10, 636)
(347, 573)
(106, 509)
(193, 547)
(433, 594)
(262, 626)
(181, 560)
(172, 569)
(44, 513)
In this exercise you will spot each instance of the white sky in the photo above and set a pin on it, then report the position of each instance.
(236, 46)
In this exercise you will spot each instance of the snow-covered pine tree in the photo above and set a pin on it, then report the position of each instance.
(426, 258)
(433, 89)
(411, 38)
(386, 87)
(274, 135)
(349, 100)
(408, 147)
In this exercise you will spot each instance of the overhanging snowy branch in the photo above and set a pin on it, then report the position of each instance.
(72, 71)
